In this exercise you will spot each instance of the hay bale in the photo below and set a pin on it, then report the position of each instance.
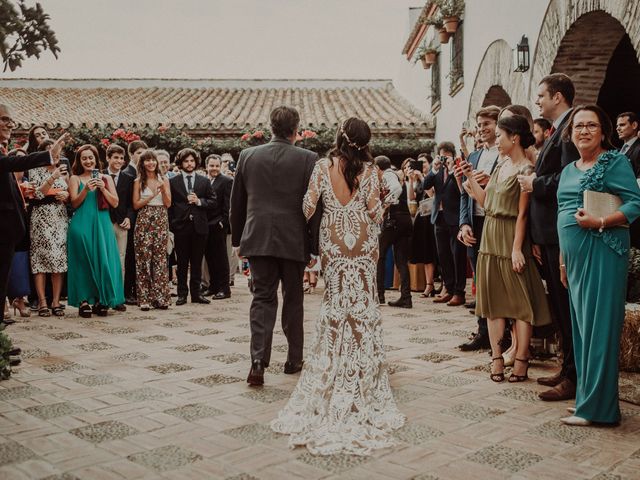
(630, 342)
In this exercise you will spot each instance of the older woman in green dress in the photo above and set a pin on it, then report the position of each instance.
(594, 260)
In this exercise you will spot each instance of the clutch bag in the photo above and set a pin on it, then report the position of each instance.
(601, 204)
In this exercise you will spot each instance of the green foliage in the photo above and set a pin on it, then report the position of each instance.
(24, 33)
(5, 347)
(451, 8)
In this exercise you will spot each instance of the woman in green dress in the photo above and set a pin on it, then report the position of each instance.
(508, 282)
(94, 275)
(594, 260)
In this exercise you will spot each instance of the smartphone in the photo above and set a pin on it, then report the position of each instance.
(95, 173)
(416, 165)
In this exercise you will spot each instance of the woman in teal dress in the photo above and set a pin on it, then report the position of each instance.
(594, 260)
(94, 275)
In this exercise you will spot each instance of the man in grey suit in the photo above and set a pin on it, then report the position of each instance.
(268, 226)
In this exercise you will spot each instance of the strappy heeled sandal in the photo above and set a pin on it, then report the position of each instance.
(513, 378)
(85, 310)
(497, 377)
(43, 310)
(58, 311)
(429, 292)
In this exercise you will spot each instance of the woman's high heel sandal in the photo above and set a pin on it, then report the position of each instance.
(430, 291)
(513, 378)
(85, 310)
(20, 307)
(43, 310)
(497, 377)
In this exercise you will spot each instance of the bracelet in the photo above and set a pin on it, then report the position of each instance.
(601, 229)
(562, 265)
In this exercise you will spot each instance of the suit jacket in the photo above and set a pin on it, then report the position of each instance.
(467, 202)
(543, 208)
(266, 201)
(633, 154)
(12, 210)
(447, 193)
(220, 213)
(182, 213)
(124, 189)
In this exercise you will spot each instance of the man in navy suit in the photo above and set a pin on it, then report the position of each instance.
(483, 162)
(12, 206)
(445, 216)
(627, 126)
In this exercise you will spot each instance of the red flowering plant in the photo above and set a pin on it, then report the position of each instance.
(256, 137)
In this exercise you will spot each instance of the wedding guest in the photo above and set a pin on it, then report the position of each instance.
(122, 214)
(218, 217)
(164, 161)
(627, 128)
(95, 275)
(152, 198)
(48, 232)
(541, 131)
(508, 282)
(595, 259)
(192, 195)
(555, 97)
(228, 168)
(134, 149)
(471, 220)
(445, 216)
(37, 134)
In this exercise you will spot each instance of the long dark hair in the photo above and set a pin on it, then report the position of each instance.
(77, 168)
(32, 145)
(352, 146)
(142, 172)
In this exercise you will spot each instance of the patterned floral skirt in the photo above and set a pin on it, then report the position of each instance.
(150, 244)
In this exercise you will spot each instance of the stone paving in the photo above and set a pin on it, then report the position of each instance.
(146, 395)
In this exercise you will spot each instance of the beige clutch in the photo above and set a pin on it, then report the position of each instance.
(600, 204)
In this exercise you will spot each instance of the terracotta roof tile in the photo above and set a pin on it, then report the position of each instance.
(209, 106)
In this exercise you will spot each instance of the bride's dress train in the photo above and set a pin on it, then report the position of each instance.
(343, 401)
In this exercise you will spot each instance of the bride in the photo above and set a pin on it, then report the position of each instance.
(343, 401)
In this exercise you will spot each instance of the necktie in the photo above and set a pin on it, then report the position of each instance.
(113, 175)
(189, 184)
(553, 130)
(624, 148)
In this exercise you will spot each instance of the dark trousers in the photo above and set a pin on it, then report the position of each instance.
(189, 247)
(472, 253)
(266, 274)
(130, 265)
(217, 259)
(6, 257)
(559, 305)
(400, 238)
(453, 257)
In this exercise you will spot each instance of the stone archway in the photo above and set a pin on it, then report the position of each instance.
(496, 79)
(579, 38)
(496, 95)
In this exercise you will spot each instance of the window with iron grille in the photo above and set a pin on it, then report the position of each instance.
(456, 71)
(435, 85)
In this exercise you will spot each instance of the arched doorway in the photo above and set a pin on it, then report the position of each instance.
(496, 95)
(596, 43)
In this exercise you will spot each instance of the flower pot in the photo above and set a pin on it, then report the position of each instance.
(451, 24)
(444, 36)
(426, 65)
(431, 57)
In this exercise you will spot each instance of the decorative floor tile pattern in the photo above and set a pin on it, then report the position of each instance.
(13, 452)
(194, 411)
(63, 476)
(147, 410)
(165, 458)
(192, 347)
(104, 431)
(505, 458)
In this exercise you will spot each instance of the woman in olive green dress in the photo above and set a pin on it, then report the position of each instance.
(508, 282)
(594, 263)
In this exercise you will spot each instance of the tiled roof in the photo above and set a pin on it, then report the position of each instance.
(208, 104)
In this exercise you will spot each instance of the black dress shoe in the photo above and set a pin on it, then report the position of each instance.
(207, 292)
(470, 305)
(401, 302)
(478, 342)
(221, 296)
(200, 299)
(15, 351)
(181, 301)
(8, 321)
(131, 301)
(120, 308)
(256, 374)
(291, 368)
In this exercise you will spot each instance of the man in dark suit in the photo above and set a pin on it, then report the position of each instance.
(134, 149)
(122, 215)
(627, 128)
(269, 227)
(216, 250)
(12, 206)
(445, 217)
(191, 196)
(483, 162)
(555, 97)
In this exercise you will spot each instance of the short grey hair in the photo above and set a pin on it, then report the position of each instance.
(162, 153)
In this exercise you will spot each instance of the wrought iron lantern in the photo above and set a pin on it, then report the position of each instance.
(522, 56)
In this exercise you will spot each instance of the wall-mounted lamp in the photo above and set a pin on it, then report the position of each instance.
(521, 57)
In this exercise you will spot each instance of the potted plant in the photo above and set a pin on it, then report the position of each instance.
(451, 11)
(427, 55)
(437, 22)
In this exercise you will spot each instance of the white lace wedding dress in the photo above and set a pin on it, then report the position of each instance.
(343, 401)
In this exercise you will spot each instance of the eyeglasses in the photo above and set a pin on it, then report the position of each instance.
(8, 120)
(591, 127)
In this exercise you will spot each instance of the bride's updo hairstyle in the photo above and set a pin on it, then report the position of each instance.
(518, 125)
(352, 146)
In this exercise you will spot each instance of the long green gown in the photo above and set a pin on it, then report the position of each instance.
(597, 266)
(94, 271)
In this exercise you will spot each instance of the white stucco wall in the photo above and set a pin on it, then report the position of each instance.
(484, 22)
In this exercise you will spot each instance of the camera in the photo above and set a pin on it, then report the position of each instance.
(416, 165)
